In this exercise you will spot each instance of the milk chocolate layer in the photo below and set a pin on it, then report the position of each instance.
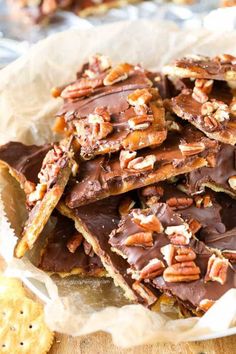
(56, 257)
(217, 177)
(25, 160)
(196, 66)
(104, 176)
(96, 221)
(189, 293)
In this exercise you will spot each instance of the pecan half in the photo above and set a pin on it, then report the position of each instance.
(149, 222)
(217, 269)
(80, 88)
(142, 163)
(189, 149)
(184, 254)
(74, 242)
(126, 205)
(118, 73)
(144, 292)
(140, 122)
(100, 128)
(179, 234)
(232, 182)
(182, 272)
(141, 239)
(205, 304)
(179, 203)
(125, 157)
(210, 123)
(139, 97)
(153, 269)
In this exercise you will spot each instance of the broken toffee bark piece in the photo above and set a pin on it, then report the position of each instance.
(105, 176)
(221, 67)
(23, 162)
(221, 177)
(96, 221)
(162, 251)
(210, 107)
(64, 252)
(53, 177)
(112, 108)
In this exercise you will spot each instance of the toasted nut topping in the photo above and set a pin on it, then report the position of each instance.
(230, 254)
(189, 149)
(74, 168)
(80, 88)
(29, 187)
(149, 222)
(118, 73)
(74, 242)
(141, 239)
(59, 125)
(38, 193)
(140, 122)
(142, 163)
(179, 203)
(182, 272)
(151, 191)
(168, 252)
(206, 304)
(214, 112)
(144, 292)
(173, 126)
(203, 201)
(139, 97)
(99, 63)
(184, 254)
(226, 59)
(204, 85)
(232, 182)
(103, 112)
(199, 96)
(126, 205)
(217, 269)
(153, 269)
(179, 234)
(125, 157)
(100, 129)
(211, 123)
(194, 226)
(88, 248)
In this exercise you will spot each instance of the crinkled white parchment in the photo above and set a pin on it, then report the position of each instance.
(26, 115)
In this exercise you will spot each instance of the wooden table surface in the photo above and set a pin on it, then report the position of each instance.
(101, 343)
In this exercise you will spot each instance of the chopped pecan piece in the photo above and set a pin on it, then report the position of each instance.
(74, 242)
(37, 194)
(149, 222)
(194, 226)
(189, 149)
(230, 255)
(215, 111)
(232, 182)
(203, 201)
(204, 85)
(226, 59)
(210, 123)
(153, 269)
(144, 292)
(103, 112)
(99, 63)
(125, 157)
(179, 203)
(142, 239)
(217, 269)
(151, 191)
(118, 73)
(140, 122)
(206, 304)
(199, 95)
(179, 234)
(168, 252)
(182, 272)
(126, 205)
(88, 249)
(100, 128)
(142, 163)
(139, 97)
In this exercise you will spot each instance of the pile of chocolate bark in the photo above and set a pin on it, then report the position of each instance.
(142, 182)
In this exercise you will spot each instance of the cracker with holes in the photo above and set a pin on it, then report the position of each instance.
(66, 252)
(53, 177)
(221, 67)
(21, 321)
(96, 221)
(162, 251)
(111, 175)
(112, 108)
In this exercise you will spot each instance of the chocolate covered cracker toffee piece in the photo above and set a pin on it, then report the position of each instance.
(221, 177)
(210, 107)
(162, 251)
(65, 252)
(221, 67)
(112, 108)
(53, 177)
(96, 221)
(105, 176)
(23, 162)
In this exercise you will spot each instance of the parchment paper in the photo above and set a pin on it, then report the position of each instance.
(26, 114)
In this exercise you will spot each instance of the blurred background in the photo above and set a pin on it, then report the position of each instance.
(24, 22)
